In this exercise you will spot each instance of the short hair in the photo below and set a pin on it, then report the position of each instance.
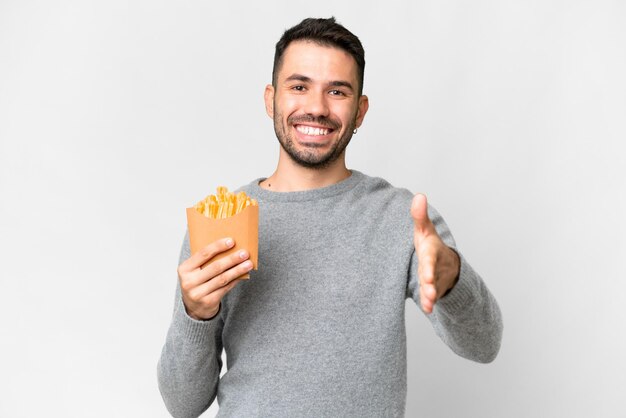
(325, 32)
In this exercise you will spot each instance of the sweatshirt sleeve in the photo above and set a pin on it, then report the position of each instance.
(189, 367)
(468, 318)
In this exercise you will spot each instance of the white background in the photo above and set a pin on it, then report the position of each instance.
(116, 115)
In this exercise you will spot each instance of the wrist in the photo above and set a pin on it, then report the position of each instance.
(456, 270)
(192, 315)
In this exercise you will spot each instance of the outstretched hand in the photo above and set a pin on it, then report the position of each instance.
(438, 265)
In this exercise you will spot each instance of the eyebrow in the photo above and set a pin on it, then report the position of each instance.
(299, 77)
(341, 83)
(305, 79)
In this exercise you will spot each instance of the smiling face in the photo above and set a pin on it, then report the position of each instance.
(315, 104)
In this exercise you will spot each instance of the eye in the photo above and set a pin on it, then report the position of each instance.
(298, 87)
(336, 93)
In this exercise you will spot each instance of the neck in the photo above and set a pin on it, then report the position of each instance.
(292, 177)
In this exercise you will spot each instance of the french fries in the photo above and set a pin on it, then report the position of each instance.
(224, 204)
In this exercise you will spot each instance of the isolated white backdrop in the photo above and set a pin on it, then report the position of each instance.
(116, 115)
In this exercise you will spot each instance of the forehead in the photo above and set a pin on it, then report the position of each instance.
(319, 62)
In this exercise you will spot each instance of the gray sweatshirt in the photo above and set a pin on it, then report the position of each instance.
(318, 330)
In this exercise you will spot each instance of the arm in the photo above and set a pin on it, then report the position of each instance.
(190, 363)
(462, 310)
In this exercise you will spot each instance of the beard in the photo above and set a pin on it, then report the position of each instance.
(312, 155)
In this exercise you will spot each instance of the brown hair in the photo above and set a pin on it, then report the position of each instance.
(326, 32)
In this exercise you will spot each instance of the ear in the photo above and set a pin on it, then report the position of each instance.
(364, 104)
(269, 100)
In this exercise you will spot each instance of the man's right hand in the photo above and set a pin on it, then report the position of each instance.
(204, 282)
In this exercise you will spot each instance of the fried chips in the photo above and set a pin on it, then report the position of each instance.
(224, 204)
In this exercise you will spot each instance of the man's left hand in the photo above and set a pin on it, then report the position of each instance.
(438, 265)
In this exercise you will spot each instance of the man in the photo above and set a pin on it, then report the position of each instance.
(318, 330)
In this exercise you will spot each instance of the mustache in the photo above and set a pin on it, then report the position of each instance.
(318, 120)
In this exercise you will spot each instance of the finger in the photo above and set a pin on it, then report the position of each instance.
(222, 280)
(428, 281)
(195, 278)
(419, 213)
(426, 263)
(430, 292)
(217, 267)
(426, 303)
(216, 297)
(205, 254)
(428, 284)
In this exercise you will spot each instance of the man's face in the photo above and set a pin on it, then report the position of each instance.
(315, 103)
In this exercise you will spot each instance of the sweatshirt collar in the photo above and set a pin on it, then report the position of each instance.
(305, 195)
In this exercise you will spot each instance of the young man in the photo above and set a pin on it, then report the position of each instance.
(318, 330)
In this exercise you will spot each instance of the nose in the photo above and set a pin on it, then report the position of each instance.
(316, 104)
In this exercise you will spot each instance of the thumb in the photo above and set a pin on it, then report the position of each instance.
(419, 213)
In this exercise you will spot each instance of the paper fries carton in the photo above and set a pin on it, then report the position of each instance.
(242, 227)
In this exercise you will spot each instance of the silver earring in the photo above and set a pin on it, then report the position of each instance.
(354, 132)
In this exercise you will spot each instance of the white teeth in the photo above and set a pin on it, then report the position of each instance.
(309, 130)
